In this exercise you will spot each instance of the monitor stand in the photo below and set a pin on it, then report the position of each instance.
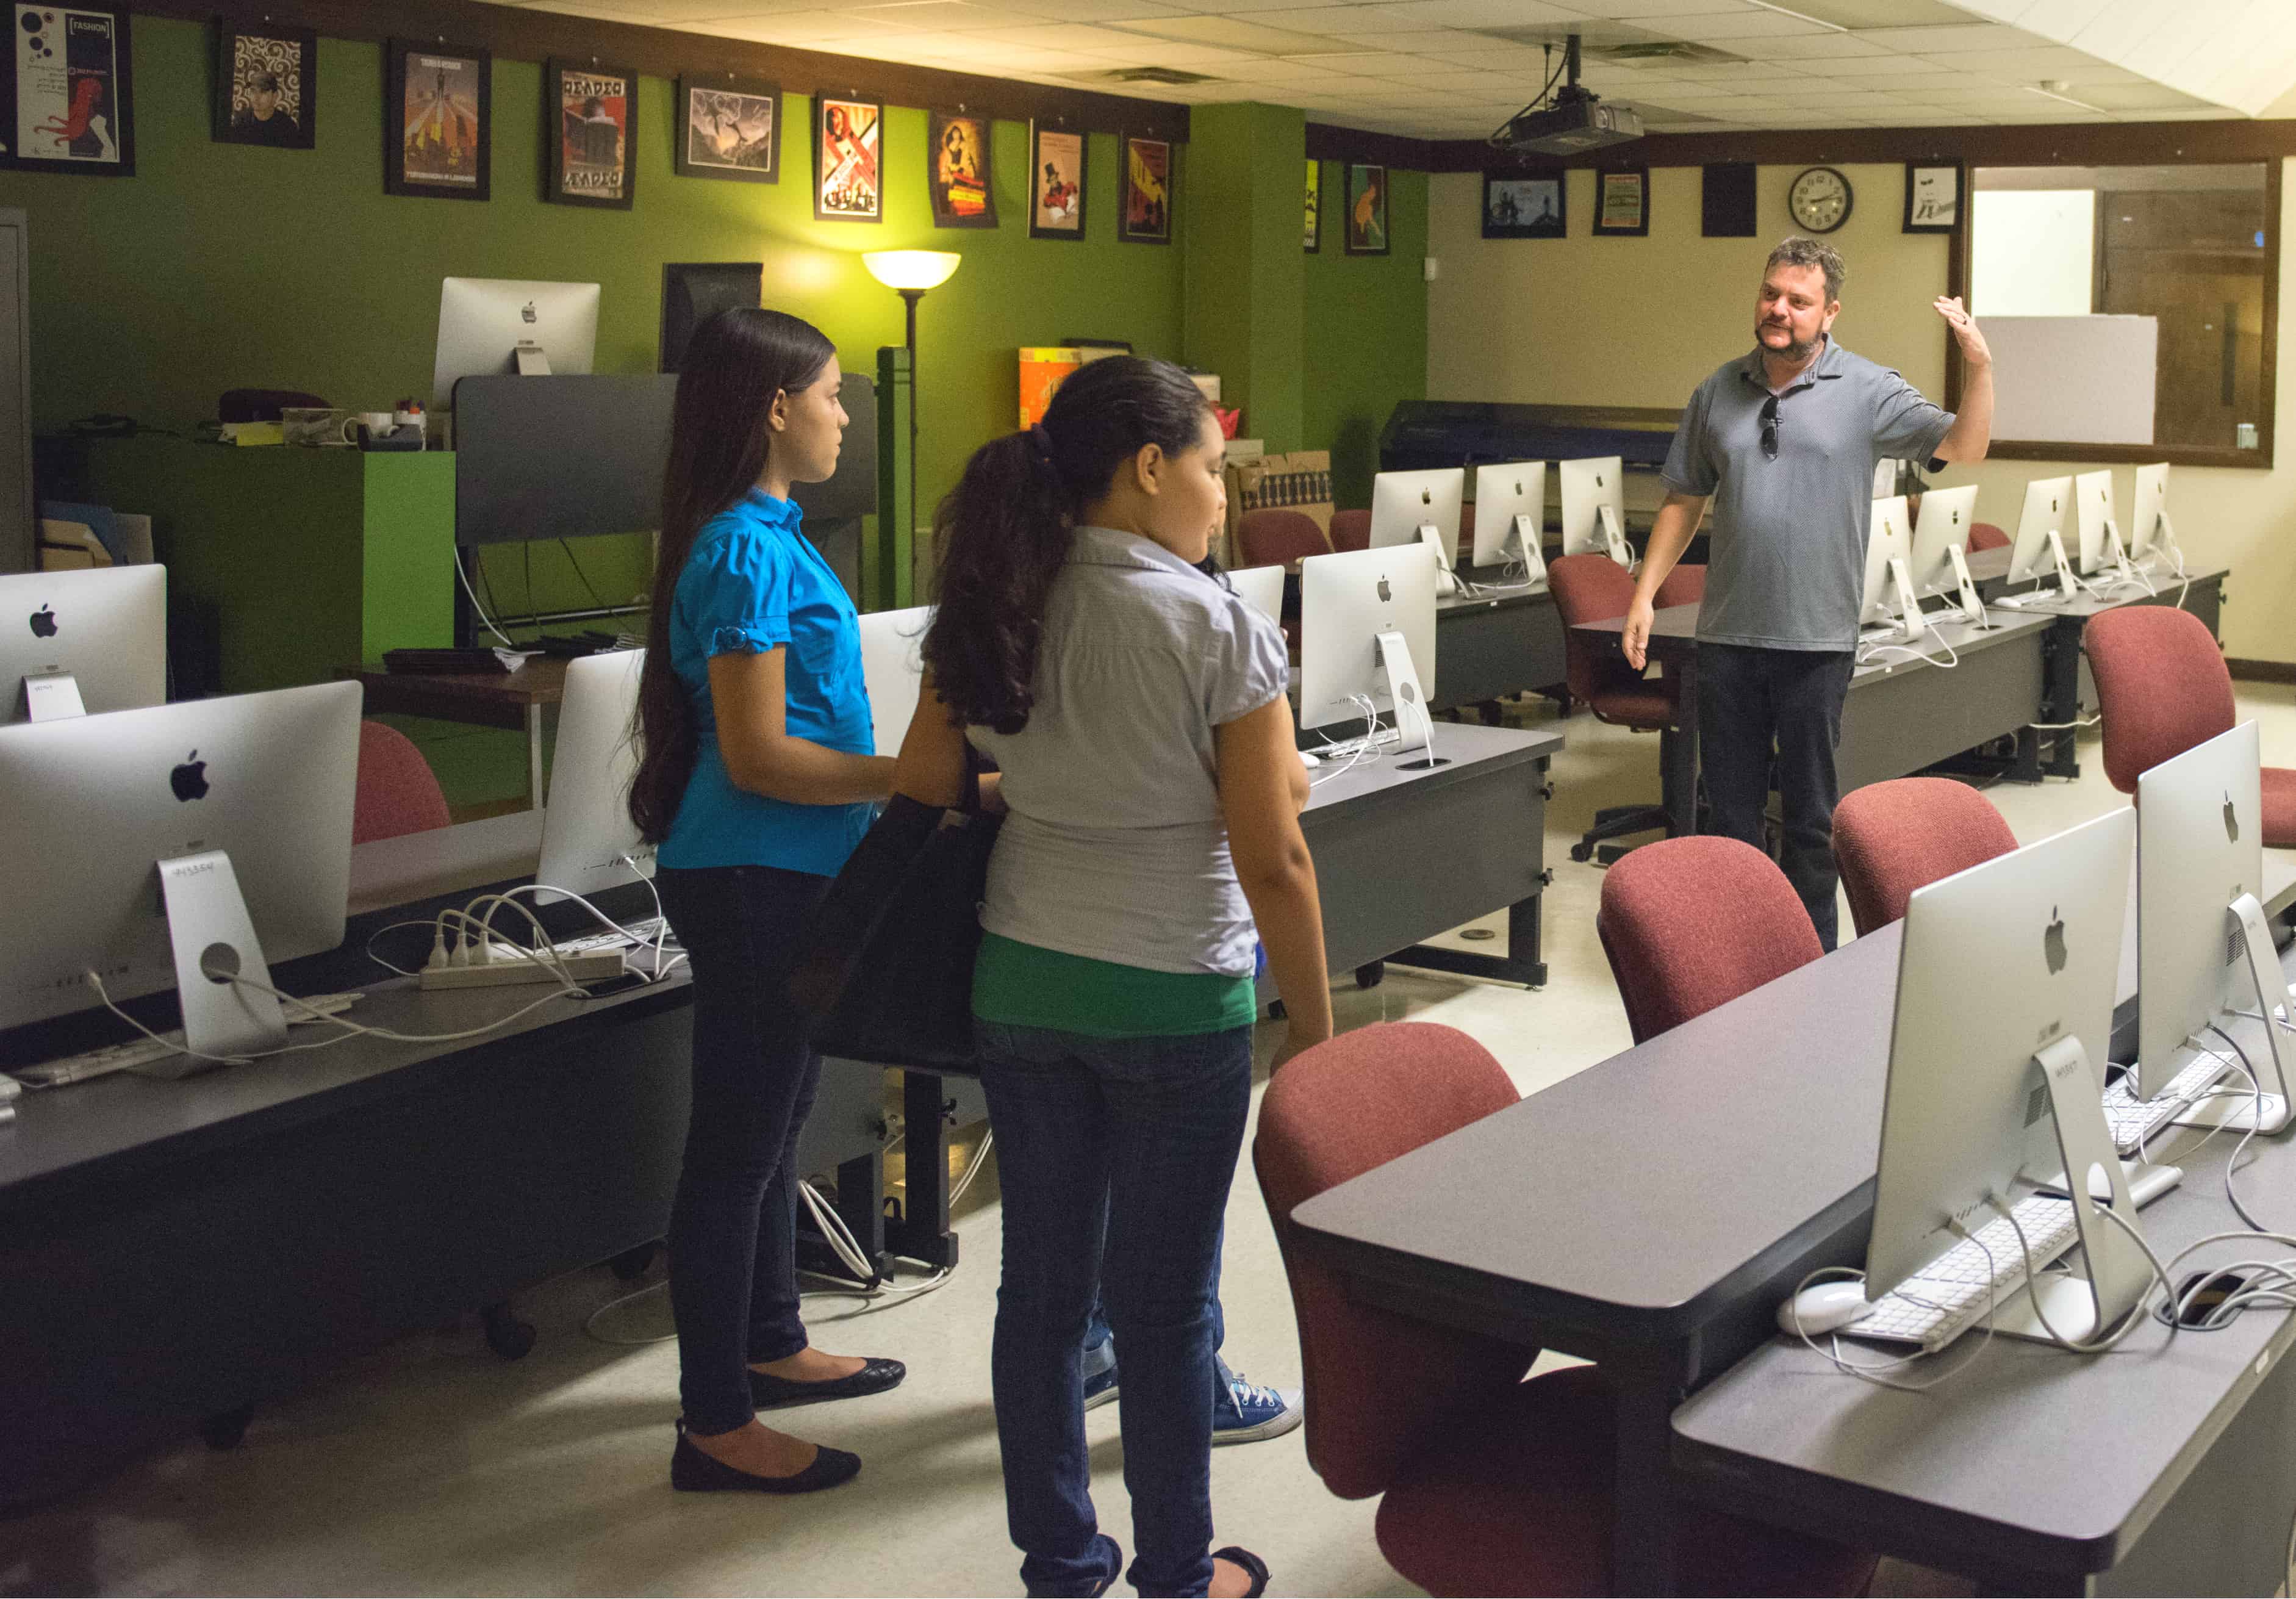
(1415, 728)
(1614, 538)
(2260, 962)
(2078, 1306)
(212, 933)
(1534, 554)
(1446, 581)
(1910, 619)
(2116, 556)
(51, 697)
(1972, 609)
(533, 362)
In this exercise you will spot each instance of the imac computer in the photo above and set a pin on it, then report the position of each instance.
(166, 845)
(1263, 587)
(1889, 602)
(589, 844)
(2102, 547)
(1420, 505)
(498, 324)
(893, 670)
(1595, 509)
(1940, 564)
(1367, 633)
(1511, 517)
(2005, 980)
(2037, 553)
(2202, 944)
(2149, 534)
(77, 644)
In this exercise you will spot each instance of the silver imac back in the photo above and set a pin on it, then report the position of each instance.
(1943, 522)
(1998, 962)
(2146, 523)
(1504, 492)
(2200, 847)
(2092, 508)
(1588, 485)
(1404, 502)
(1263, 587)
(2044, 513)
(1346, 602)
(1887, 539)
(94, 803)
(106, 627)
(499, 325)
(589, 844)
(893, 670)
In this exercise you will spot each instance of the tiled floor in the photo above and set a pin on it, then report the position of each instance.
(433, 1467)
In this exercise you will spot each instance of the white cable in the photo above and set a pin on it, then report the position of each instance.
(475, 606)
(2128, 1323)
(1877, 1373)
(1871, 650)
(973, 1167)
(351, 1028)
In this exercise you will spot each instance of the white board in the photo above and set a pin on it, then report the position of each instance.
(2074, 380)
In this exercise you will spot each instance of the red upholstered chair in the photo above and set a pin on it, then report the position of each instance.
(1691, 923)
(1351, 529)
(1985, 536)
(1278, 538)
(2163, 687)
(1892, 838)
(1491, 1485)
(1594, 588)
(398, 793)
(1684, 585)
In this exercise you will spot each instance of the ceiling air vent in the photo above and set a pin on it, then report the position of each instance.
(1171, 76)
(1681, 52)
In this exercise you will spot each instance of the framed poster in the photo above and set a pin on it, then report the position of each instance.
(957, 172)
(70, 106)
(849, 143)
(1145, 216)
(588, 113)
(729, 128)
(438, 120)
(1056, 174)
(266, 84)
(1312, 239)
(1932, 198)
(1524, 205)
(1366, 210)
(1622, 202)
(1726, 200)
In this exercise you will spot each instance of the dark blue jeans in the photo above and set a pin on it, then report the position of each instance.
(1114, 1156)
(732, 1250)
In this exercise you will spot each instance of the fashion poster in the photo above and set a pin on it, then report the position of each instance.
(730, 128)
(1147, 215)
(1367, 210)
(1057, 169)
(849, 141)
(957, 150)
(439, 121)
(266, 88)
(70, 90)
(594, 109)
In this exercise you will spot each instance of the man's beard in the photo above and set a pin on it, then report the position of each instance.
(1796, 351)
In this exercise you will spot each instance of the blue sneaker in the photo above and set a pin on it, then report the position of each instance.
(1247, 1413)
(1099, 1387)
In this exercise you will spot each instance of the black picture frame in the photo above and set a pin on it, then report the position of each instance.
(960, 169)
(717, 130)
(1928, 223)
(1611, 185)
(1056, 199)
(1312, 214)
(1366, 234)
(1141, 217)
(589, 134)
(1526, 205)
(461, 166)
(87, 122)
(245, 58)
(1727, 201)
(848, 159)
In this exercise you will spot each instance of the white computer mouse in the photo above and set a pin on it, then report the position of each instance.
(1307, 760)
(1823, 1306)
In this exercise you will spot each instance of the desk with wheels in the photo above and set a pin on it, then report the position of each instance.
(1651, 1212)
(1901, 715)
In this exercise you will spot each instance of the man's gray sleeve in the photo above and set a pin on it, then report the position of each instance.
(1907, 426)
(1689, 466)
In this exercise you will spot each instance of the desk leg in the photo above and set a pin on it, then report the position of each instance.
(534, 757)
(922, 1233)
(2060, 658)
(1677, 757)
(1644, 1510)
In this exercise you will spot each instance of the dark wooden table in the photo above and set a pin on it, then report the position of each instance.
(512, 700)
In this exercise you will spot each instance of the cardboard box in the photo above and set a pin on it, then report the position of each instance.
(1299, 481)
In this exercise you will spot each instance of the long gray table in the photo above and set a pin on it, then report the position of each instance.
(1505, 641)
(1650, 1212)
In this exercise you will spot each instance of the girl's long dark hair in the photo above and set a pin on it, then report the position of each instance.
(737, 362)
(1003, 533)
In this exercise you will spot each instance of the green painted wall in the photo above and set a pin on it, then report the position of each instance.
(1243, 204)
(1365, 332)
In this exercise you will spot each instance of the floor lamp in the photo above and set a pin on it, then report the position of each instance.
(909, 273)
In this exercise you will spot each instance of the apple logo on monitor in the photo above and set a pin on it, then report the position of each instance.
(2053, 942)
(44, 622)
(190, 780)
(1386, 593)
(526, 313)
(2232, 820)
(1426, 496)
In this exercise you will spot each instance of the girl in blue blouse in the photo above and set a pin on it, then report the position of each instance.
(757, 776)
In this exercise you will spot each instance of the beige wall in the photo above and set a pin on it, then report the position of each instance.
(1639, 322)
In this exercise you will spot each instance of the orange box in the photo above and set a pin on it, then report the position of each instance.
(1043, 370)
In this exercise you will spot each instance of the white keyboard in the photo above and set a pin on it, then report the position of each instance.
(145, 1052)
(2132, 1121)
(1951, 1294)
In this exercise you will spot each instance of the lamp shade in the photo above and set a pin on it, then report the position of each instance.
(911, 269)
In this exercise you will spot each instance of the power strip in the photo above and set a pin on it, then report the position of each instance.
(594, 967)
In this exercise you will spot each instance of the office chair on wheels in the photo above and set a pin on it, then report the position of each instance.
(1594, 589)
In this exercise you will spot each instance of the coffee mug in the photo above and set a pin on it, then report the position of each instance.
(377, 422)
(318, 425)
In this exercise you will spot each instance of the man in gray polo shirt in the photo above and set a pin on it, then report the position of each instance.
(1784, 440)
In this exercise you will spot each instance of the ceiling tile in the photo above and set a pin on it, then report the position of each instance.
(1729, 27)
(1810, 46)
(1481, 13)
(1968, 35)
(2135, 97)
(941, 16)
(1614, 9)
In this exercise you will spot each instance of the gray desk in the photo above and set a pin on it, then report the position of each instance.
(1549, 1224)
(1489, 647)
(1901, 714)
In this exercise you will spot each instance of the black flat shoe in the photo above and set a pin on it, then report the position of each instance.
(1254, 1567)
(769, 1392)
(694, 1472)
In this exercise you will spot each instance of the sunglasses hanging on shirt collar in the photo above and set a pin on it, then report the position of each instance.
(1770, 428)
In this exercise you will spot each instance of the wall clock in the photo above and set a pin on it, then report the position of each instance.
(1820, 200)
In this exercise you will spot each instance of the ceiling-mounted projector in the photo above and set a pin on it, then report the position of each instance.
(1576, 121)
